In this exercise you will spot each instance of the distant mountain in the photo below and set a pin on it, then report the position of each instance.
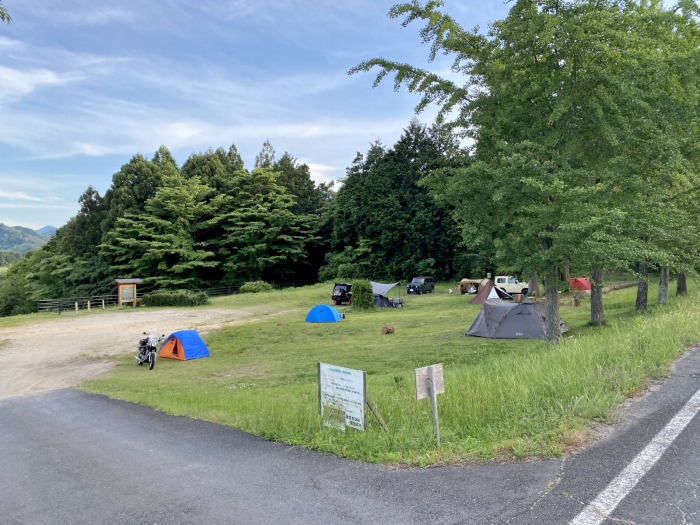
(22, 240)
(46, 230)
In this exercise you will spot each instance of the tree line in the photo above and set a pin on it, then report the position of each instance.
(211, 222)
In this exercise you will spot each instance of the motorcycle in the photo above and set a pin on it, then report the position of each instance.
(147, 350)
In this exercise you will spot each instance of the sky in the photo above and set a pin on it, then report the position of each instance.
(87, 84)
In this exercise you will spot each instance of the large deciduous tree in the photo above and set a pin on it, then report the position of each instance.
(561, 100)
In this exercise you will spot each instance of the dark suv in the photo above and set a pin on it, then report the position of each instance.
(342, 293)
(421, 285)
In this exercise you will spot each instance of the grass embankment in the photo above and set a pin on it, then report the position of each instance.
(503, 399)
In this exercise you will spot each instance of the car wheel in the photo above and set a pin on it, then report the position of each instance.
(524, 291)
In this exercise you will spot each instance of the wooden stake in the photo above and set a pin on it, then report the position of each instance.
(377, 415)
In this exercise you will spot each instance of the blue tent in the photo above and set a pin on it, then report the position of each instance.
(322, 313)
(183, 345)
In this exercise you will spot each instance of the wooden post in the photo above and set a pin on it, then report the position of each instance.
(433, 402)
(88, 305)
(377, 415)
(76, 307)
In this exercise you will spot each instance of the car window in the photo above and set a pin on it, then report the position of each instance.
(512, 280)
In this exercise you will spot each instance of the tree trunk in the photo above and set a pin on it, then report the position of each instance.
(681, 285)
(552, 330)
(642, 287)
(533, 286)
(597, 313)
(567, 273)
(663, 285)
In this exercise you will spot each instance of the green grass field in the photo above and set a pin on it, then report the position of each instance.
(503, 400)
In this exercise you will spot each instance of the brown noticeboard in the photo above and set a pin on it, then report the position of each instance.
(126, 291)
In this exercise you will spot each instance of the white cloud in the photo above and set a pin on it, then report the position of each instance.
(321, 173)
(16, 83)
(15, 195)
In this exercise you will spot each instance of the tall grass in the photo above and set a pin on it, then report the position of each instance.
(503, 399)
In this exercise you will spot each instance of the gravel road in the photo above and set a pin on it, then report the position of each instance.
(69, 349)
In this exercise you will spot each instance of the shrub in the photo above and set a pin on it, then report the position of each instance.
(175, 298)
(255, 287)
(362, 296)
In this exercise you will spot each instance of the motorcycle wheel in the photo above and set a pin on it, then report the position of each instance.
(151, 360)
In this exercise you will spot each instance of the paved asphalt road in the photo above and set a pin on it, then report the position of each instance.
(73, 458)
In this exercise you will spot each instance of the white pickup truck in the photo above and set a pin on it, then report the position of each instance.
(510, 284)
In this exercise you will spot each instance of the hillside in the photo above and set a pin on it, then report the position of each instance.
(22, 240)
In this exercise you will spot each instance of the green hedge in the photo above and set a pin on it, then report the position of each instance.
(362, 296)
(175, 298)
(255, 287)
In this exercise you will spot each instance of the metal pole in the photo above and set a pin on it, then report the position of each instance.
(433, 402)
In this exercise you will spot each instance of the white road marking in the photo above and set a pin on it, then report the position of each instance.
(605, 503)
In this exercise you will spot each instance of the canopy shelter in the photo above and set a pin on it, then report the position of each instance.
(380, 291)
(499, 319)
(489, 291)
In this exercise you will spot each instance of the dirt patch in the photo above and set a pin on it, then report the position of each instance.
(71, 349)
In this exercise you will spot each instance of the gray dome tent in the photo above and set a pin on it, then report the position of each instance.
(499, 319)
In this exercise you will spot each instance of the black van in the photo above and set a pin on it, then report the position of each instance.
(342, 293)
(421, 285)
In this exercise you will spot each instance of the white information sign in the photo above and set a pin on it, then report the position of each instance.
(342, 396)
(422, 376)
(430, 383)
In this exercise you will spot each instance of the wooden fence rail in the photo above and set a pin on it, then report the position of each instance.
(74, 304)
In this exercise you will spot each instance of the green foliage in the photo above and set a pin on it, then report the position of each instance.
(261, 239)
(174, 298)
(386, 225)
(159, 244)
(16, 293)
(132, 186)
(255, 287)
(8, 258)
(80, 237)
(362, 297)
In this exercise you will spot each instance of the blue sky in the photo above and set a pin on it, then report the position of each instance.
(86, 84)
